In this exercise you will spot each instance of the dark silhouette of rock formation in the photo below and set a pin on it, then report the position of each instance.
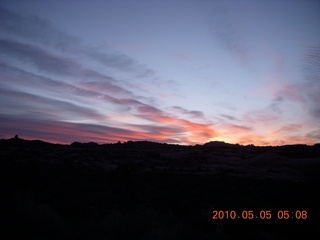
(147, 190)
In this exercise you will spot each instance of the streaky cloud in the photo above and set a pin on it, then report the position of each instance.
(275, 105)
(229, 117)
(57, 65)
(167, 126)
(62, 132)
(226, 33)
(42, 60)
(38, 30)
(289, 128)
(239, 128)
(314, 135)
(67, 132)
(44, 106)
(21, 78)
(33, 28)
(191, 113)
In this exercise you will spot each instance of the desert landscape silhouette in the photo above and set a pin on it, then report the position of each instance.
(149, 190)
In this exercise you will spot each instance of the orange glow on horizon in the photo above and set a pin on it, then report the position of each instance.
(167, 129)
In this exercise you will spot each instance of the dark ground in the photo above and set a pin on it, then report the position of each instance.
(144, 190)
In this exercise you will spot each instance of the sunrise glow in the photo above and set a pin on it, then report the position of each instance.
(181, 72)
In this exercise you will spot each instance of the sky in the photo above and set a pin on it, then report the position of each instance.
(171, 71)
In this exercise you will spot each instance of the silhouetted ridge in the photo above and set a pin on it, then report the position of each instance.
(98, 191)
(89, 144)
(212, 144)
(16, 141)
(219, 144)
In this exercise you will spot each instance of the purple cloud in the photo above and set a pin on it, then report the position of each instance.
(229, 117)
(15, 101)
(41, 59)
(36, 29)
(226, 33)
(190, 113)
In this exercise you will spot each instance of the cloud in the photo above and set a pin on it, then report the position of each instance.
(56, 49)
(227, 34)
(275, 105)
(161, 132)
(66, 132)
(15, 77)
(225, 105)
(193, 132)
(238, 128)
(292, 92)
(43, 61)
(49, 62)
(105, 87)
(307, 93)
(190, 113)
(255, 139)
(260, 117)
(112, 59)
(289, 128)
(30, 28)
(44, 106)
(33, 28)
(25, 104)
(312, 63)
(228, 117)
(62, 132)
(299, 101)
(315, 135)
(59, 66)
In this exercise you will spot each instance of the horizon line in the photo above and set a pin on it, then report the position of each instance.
(176, 144)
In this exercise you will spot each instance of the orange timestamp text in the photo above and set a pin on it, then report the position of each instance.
(263, 214)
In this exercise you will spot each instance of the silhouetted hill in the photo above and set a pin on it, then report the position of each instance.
(16, 141)
(218, 144)
(147, 190)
